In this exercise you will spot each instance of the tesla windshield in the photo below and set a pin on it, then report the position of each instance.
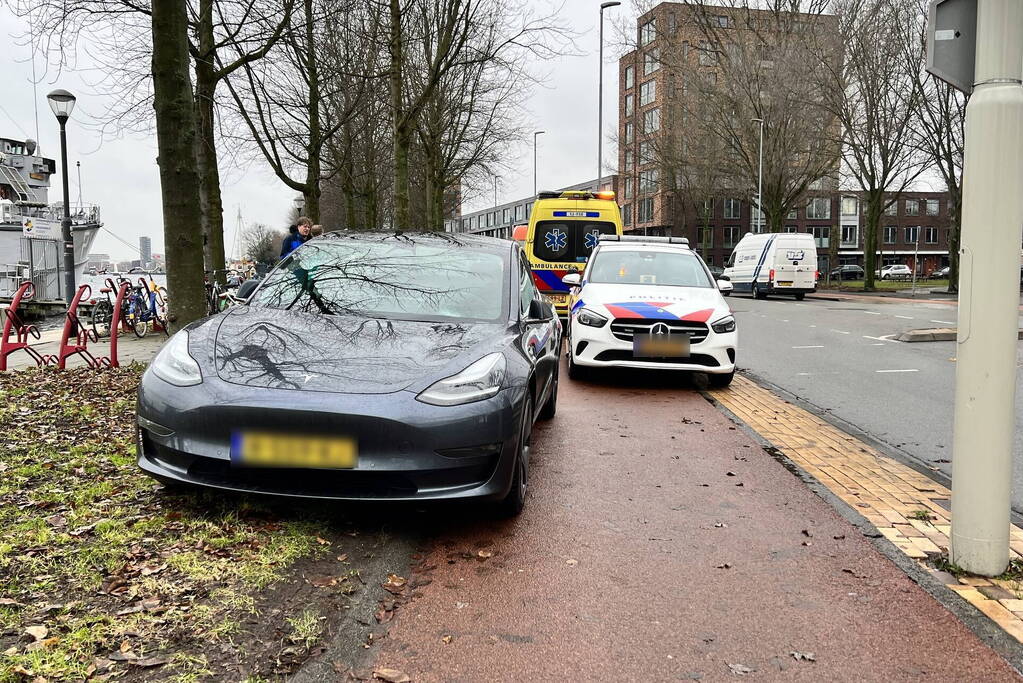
(648, 267)
(391, 278)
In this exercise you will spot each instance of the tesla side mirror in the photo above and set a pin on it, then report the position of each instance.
(246, 289)
(572, 279)
(724, 286)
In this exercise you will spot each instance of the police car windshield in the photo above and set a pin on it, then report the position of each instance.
(568, 241)
(648, 267)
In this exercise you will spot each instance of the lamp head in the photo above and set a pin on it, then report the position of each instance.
(62, 103)
(605, 5)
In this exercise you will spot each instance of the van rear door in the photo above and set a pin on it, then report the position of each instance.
(795, 264)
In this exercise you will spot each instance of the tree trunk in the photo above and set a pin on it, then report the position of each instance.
(872, 219)
(955, 217)
(179, 180)
(312, 192)
(402, 130)
(212, 206)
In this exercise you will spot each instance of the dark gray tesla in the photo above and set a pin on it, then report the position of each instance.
(365, 366)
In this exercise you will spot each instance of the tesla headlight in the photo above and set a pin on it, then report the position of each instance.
(480, 380)
(726, 324)
(174, 364)
(590, 319)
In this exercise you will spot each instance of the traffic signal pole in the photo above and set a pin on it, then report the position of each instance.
(992, 228)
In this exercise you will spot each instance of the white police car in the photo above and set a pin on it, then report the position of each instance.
(650, 302)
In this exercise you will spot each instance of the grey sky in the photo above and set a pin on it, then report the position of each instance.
(122, 177)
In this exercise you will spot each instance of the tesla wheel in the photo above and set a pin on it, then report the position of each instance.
(758, 293)
(720, 381)
(513, 503)
(550, 408)
(800, 296)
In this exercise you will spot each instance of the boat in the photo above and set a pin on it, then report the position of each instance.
(31, 246)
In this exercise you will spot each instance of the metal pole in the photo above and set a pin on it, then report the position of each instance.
(760, 181)
(69, 244)
(495, 191)
(985, 410)
(916, 258)
(535, 134)
(600, 94)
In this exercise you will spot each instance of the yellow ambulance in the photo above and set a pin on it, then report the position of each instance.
(563, 229)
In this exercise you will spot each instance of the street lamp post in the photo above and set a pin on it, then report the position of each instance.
(63, 103)
(535, 133)
(760, 178)
(495, 193)
(600, 94)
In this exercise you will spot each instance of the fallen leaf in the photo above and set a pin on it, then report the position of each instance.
(571, 562)
(740, 669)
(56, 521)
(323, 581)
(461, 605)
(148, 662)
(803, 656)
(383, 615)
(391, 675)
(8, 602)
(726, 565)
(37, 632)
(342, 558)
(395, 584)
(149, 569)
(484, 554)
(807, 543)
(322, 541)
(447, 639)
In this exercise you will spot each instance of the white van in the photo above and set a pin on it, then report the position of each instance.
(774, 263)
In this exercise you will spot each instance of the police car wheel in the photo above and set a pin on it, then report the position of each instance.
(576, 372)
(720, 381)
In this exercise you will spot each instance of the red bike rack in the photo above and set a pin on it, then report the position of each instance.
(116, 320)
(82, 334)
(13, 323)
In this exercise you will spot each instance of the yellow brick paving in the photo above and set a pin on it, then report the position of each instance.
(893, 497)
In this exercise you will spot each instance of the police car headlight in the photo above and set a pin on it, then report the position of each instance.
(590, 319)
(726, 324)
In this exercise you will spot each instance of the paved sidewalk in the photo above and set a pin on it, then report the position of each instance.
(661, 542)
(906, 507)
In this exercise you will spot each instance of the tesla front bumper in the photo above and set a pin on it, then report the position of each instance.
(612, 346)
(406, 450)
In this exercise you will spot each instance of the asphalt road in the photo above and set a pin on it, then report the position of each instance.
(837, 356)
(659, 543)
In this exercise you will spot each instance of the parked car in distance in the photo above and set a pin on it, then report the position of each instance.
(940, 273)
(716, 271)
(847, 272)
(897, 271)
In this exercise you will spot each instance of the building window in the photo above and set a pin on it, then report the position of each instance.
(652, 121)
(731, 236)
(708, 55)
(932, 207)
(647, 93)
(850, 236)
(791, 228)
(630, 77)
(819, 208)
(892, 209)
(890, 232)
(630, 133)
(647, 33)
(912, 207)
(849, 206)
(646, 152)
(793, 215)
(931, 235)
(630, 101)
(732, 208)
(705, 209)
(912, 235)
(519, 211)
(705, 237)
(627, 214)
(821, 235)
(648, 181)
(722, 21)
(506, 216)
(651, 61)
(672, 23)
(646, 210)
(628, 189)
(628, 159)
(529, 210)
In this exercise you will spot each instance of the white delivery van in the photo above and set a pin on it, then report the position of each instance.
(774, 263)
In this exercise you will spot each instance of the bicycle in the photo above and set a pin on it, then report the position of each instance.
(101, 317)
(147, 308)
(219, 298)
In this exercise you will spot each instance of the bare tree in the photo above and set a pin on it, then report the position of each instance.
(179, 182)
(261, 243)
(873, 94)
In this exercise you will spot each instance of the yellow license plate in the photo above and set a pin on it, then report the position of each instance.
(558, 299)
(784, 284)
(263, 449)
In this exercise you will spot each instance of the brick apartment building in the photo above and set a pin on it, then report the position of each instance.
(647, 88)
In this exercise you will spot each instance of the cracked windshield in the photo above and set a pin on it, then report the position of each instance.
(511, 341)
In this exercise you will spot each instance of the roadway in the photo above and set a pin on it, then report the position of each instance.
(839, 357)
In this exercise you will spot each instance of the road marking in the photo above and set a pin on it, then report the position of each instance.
(871, 312)
(841, 332)
(910, 370)
(808, 347)
(904, 317)
(878, 344)
(813, 326)
(942, 322)
(784, 321)
(880, 339)
(811, 374)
